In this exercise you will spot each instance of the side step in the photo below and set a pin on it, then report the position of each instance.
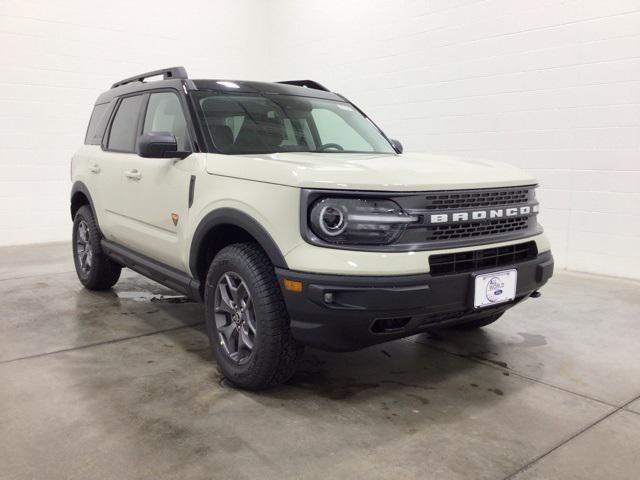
(159, 272)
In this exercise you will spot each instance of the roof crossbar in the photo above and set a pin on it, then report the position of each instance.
(306, 83)
(167, 73)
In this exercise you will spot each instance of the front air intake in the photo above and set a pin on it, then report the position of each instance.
(389, 325)
(473, 260)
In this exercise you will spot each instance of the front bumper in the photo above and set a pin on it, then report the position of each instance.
(345, 313)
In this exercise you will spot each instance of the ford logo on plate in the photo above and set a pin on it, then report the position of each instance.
(497, 292)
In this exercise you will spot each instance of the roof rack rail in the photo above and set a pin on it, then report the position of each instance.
(306, 83)
(167, 73)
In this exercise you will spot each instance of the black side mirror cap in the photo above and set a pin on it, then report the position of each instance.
(397, 146)
(159, 145)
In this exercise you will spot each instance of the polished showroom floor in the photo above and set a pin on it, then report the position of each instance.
(121, 385)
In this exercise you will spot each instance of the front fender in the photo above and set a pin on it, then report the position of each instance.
(232, 216)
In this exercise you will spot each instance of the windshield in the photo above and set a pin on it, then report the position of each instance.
(245, 123)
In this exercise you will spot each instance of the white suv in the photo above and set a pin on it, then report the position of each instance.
(295, 219)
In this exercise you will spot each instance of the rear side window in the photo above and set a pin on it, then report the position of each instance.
(124, 128)
(96, 125)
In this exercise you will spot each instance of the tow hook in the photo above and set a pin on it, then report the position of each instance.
(535, 294)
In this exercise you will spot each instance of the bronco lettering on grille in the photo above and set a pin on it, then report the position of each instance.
(471, 215)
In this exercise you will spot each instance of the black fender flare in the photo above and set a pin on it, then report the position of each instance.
(78, 186)
(231, 216)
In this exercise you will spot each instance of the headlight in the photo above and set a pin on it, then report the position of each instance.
(358, 221)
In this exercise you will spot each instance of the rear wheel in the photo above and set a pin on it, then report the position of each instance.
(95, 270)
(247, 321)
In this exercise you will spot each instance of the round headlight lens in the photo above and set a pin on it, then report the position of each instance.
(332, 220)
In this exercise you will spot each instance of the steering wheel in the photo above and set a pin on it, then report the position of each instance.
(331, 145)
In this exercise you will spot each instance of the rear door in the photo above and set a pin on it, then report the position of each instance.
(117, 167)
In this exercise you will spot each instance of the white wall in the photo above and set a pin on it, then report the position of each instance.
(57, 56)
(549, 85)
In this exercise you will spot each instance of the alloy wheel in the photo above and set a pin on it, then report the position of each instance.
(235, 317)
(83, 247)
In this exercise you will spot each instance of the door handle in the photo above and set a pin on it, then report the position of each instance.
(95, 168)
(133, 174)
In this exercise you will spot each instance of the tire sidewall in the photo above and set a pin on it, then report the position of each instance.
(84, 214)
(223, 263)
(103, 273)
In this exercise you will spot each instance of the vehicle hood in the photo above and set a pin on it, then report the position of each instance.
(357, 171)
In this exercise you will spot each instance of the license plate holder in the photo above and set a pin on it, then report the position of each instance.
(493, 288)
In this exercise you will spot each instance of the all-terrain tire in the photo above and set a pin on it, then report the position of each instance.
(275, 353)
(100, 273)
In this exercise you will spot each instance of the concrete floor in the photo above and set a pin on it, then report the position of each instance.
(121, 384)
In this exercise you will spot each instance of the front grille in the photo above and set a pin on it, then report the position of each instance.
(460, 262)
(471, 199)
(476, 229)
(459, 217)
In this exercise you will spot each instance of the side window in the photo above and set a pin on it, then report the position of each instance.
(124, 133)
(94, 134)
(164, 114)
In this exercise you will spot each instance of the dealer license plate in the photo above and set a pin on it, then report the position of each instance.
(496, 287)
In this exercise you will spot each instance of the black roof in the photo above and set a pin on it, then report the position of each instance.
(176, 77)
(245, 86)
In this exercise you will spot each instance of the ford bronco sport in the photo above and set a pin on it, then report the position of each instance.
(295, 219)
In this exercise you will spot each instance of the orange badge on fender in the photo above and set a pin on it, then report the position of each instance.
(175, 217)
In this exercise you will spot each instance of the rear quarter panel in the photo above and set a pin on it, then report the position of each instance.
(82, 160)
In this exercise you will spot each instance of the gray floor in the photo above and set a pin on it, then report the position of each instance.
(121, 385)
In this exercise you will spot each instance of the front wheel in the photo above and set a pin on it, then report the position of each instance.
(247, 321)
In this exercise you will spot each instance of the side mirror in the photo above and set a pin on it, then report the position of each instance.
(397, 146)
(159, 145)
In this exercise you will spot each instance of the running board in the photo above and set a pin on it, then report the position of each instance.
(150, 268)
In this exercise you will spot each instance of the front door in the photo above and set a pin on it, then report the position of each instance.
(155, 191)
